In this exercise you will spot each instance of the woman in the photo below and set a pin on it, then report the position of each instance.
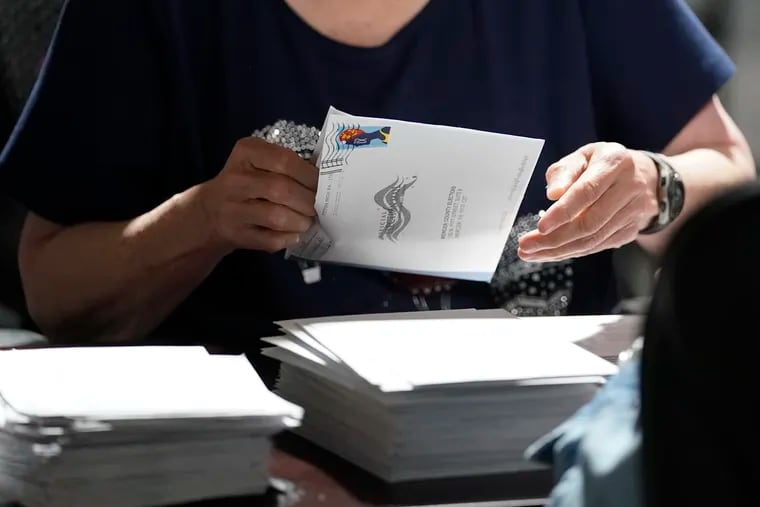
(155, 213)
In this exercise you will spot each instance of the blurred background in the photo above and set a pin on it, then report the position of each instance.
(26, 27)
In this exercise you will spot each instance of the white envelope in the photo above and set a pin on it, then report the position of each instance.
(416, 198)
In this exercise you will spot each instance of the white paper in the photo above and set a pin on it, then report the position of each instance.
(604, 335)
(295, 327)
(109, 383)
(416, 198)
(397, 355)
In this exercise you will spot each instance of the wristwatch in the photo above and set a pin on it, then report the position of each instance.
(670, 194)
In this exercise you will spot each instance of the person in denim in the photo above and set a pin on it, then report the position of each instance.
(596, 454)
(677, 424)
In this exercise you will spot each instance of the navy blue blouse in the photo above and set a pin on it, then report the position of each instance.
(141, 99)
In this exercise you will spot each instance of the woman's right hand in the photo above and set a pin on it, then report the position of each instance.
(262, 199)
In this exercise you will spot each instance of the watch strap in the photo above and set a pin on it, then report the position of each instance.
(668, 210)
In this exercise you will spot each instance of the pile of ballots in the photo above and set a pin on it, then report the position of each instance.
(133, 426)
(429, 395)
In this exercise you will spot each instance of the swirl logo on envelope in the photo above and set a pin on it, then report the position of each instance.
(394, 217)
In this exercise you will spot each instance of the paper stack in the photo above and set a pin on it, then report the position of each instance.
(434, 394)
(133, 426)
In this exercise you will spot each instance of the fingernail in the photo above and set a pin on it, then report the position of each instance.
(554, 191)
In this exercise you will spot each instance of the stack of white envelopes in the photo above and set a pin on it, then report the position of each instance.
(133, 426)
(435, 394)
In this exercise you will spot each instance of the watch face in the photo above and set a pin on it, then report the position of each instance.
(675, 195)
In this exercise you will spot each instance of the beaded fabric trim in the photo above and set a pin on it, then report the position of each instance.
(300, 138)
(531, 288)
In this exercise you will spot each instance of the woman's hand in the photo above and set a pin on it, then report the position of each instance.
(605, 194)
(263, 198)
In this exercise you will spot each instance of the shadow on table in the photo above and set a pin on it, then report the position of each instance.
(368, 490)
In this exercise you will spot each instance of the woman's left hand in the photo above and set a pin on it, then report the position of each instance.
(605, 194)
